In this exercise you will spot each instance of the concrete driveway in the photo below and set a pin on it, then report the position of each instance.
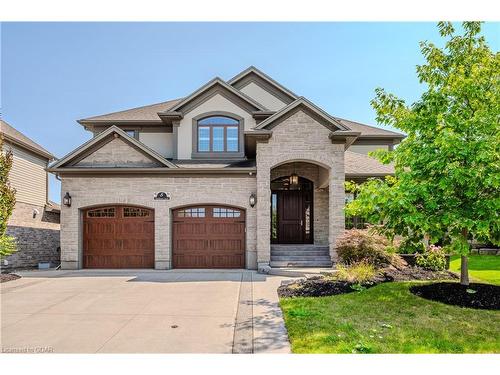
(234, 311)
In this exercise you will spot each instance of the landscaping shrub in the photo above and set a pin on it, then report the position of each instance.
(360, 272)
(357, 245)
(432, 259)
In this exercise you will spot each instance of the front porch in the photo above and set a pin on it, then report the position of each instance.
(304, 215)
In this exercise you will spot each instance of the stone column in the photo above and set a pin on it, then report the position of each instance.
(163, 241)
(263, 215)
(336, 199)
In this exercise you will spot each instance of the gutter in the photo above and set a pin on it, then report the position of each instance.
(183, 171)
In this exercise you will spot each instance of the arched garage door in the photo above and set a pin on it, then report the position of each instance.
(208, 236)
(118, 237)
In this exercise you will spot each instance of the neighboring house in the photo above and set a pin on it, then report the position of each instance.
(252, 175)
(35, 220)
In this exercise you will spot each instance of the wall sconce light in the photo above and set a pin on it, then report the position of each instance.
(35, 212)
(252, 200)
(67, 200)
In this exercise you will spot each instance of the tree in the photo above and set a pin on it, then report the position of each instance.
(7, 201)
(447, 169)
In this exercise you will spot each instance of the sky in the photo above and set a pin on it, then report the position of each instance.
(53, 74)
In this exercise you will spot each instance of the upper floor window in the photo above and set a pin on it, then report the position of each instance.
(218, 134)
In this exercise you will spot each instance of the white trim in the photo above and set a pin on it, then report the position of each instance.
(301, 101)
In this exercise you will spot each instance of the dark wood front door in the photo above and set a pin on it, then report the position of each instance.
(208, 236)
(291, 212)
(290, 217)
(118, 237)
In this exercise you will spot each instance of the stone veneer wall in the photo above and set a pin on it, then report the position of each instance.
(137, 190)
(299, 137)
(320, 196)
(37, 237)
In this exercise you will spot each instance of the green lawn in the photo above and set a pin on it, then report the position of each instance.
(482, 268)
(388, 319)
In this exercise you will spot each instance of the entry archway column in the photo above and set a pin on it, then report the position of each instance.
(263, 215)
(336, 199)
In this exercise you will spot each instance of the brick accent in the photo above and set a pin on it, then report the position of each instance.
(91, 191)
(300, 138)
(37, 237)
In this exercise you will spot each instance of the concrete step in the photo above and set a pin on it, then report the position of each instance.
(299, 253)
(292, 258)
(298, 247)
(301, 263)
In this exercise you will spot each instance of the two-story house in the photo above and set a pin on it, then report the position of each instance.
(35, 220)
(241, 173)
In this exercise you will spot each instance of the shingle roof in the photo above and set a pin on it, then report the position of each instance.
(144, 113)
(19, 138)
(149, 113)
(363, 165)
(367, 130)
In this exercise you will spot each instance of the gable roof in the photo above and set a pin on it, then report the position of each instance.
(241, 79)
(155, 114)
(224, 86)
(100, 137)
(301, 101)
(14, 136)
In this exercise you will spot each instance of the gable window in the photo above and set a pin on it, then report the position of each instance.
(218, 134)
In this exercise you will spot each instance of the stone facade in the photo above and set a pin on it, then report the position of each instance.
(185, 191)
(37, 236)
(117, 153)
(299, 138)
(298, 143)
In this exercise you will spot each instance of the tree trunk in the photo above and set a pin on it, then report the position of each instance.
(464, 261)
(464, 270)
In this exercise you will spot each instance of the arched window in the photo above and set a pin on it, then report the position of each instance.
(218, 134)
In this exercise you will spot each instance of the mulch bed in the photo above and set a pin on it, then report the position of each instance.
(321, 286)
(4, 277)
(476, 296)
(316, 287)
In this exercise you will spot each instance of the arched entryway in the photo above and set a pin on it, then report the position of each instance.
(291, 210)
(118, 236)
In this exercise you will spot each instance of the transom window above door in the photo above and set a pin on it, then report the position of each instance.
(218, 134)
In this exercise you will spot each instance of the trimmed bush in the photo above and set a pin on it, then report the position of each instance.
(357, 245)
(432, 259)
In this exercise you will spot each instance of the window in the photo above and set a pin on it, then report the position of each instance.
(132, 133)
(218, 134)
(192, 212)
(135, 212)
(101, 212)
(226, 212)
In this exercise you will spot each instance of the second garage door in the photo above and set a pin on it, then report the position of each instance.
(208, 237)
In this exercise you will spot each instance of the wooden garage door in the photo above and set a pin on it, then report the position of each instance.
(209, 237)
(118, 237)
